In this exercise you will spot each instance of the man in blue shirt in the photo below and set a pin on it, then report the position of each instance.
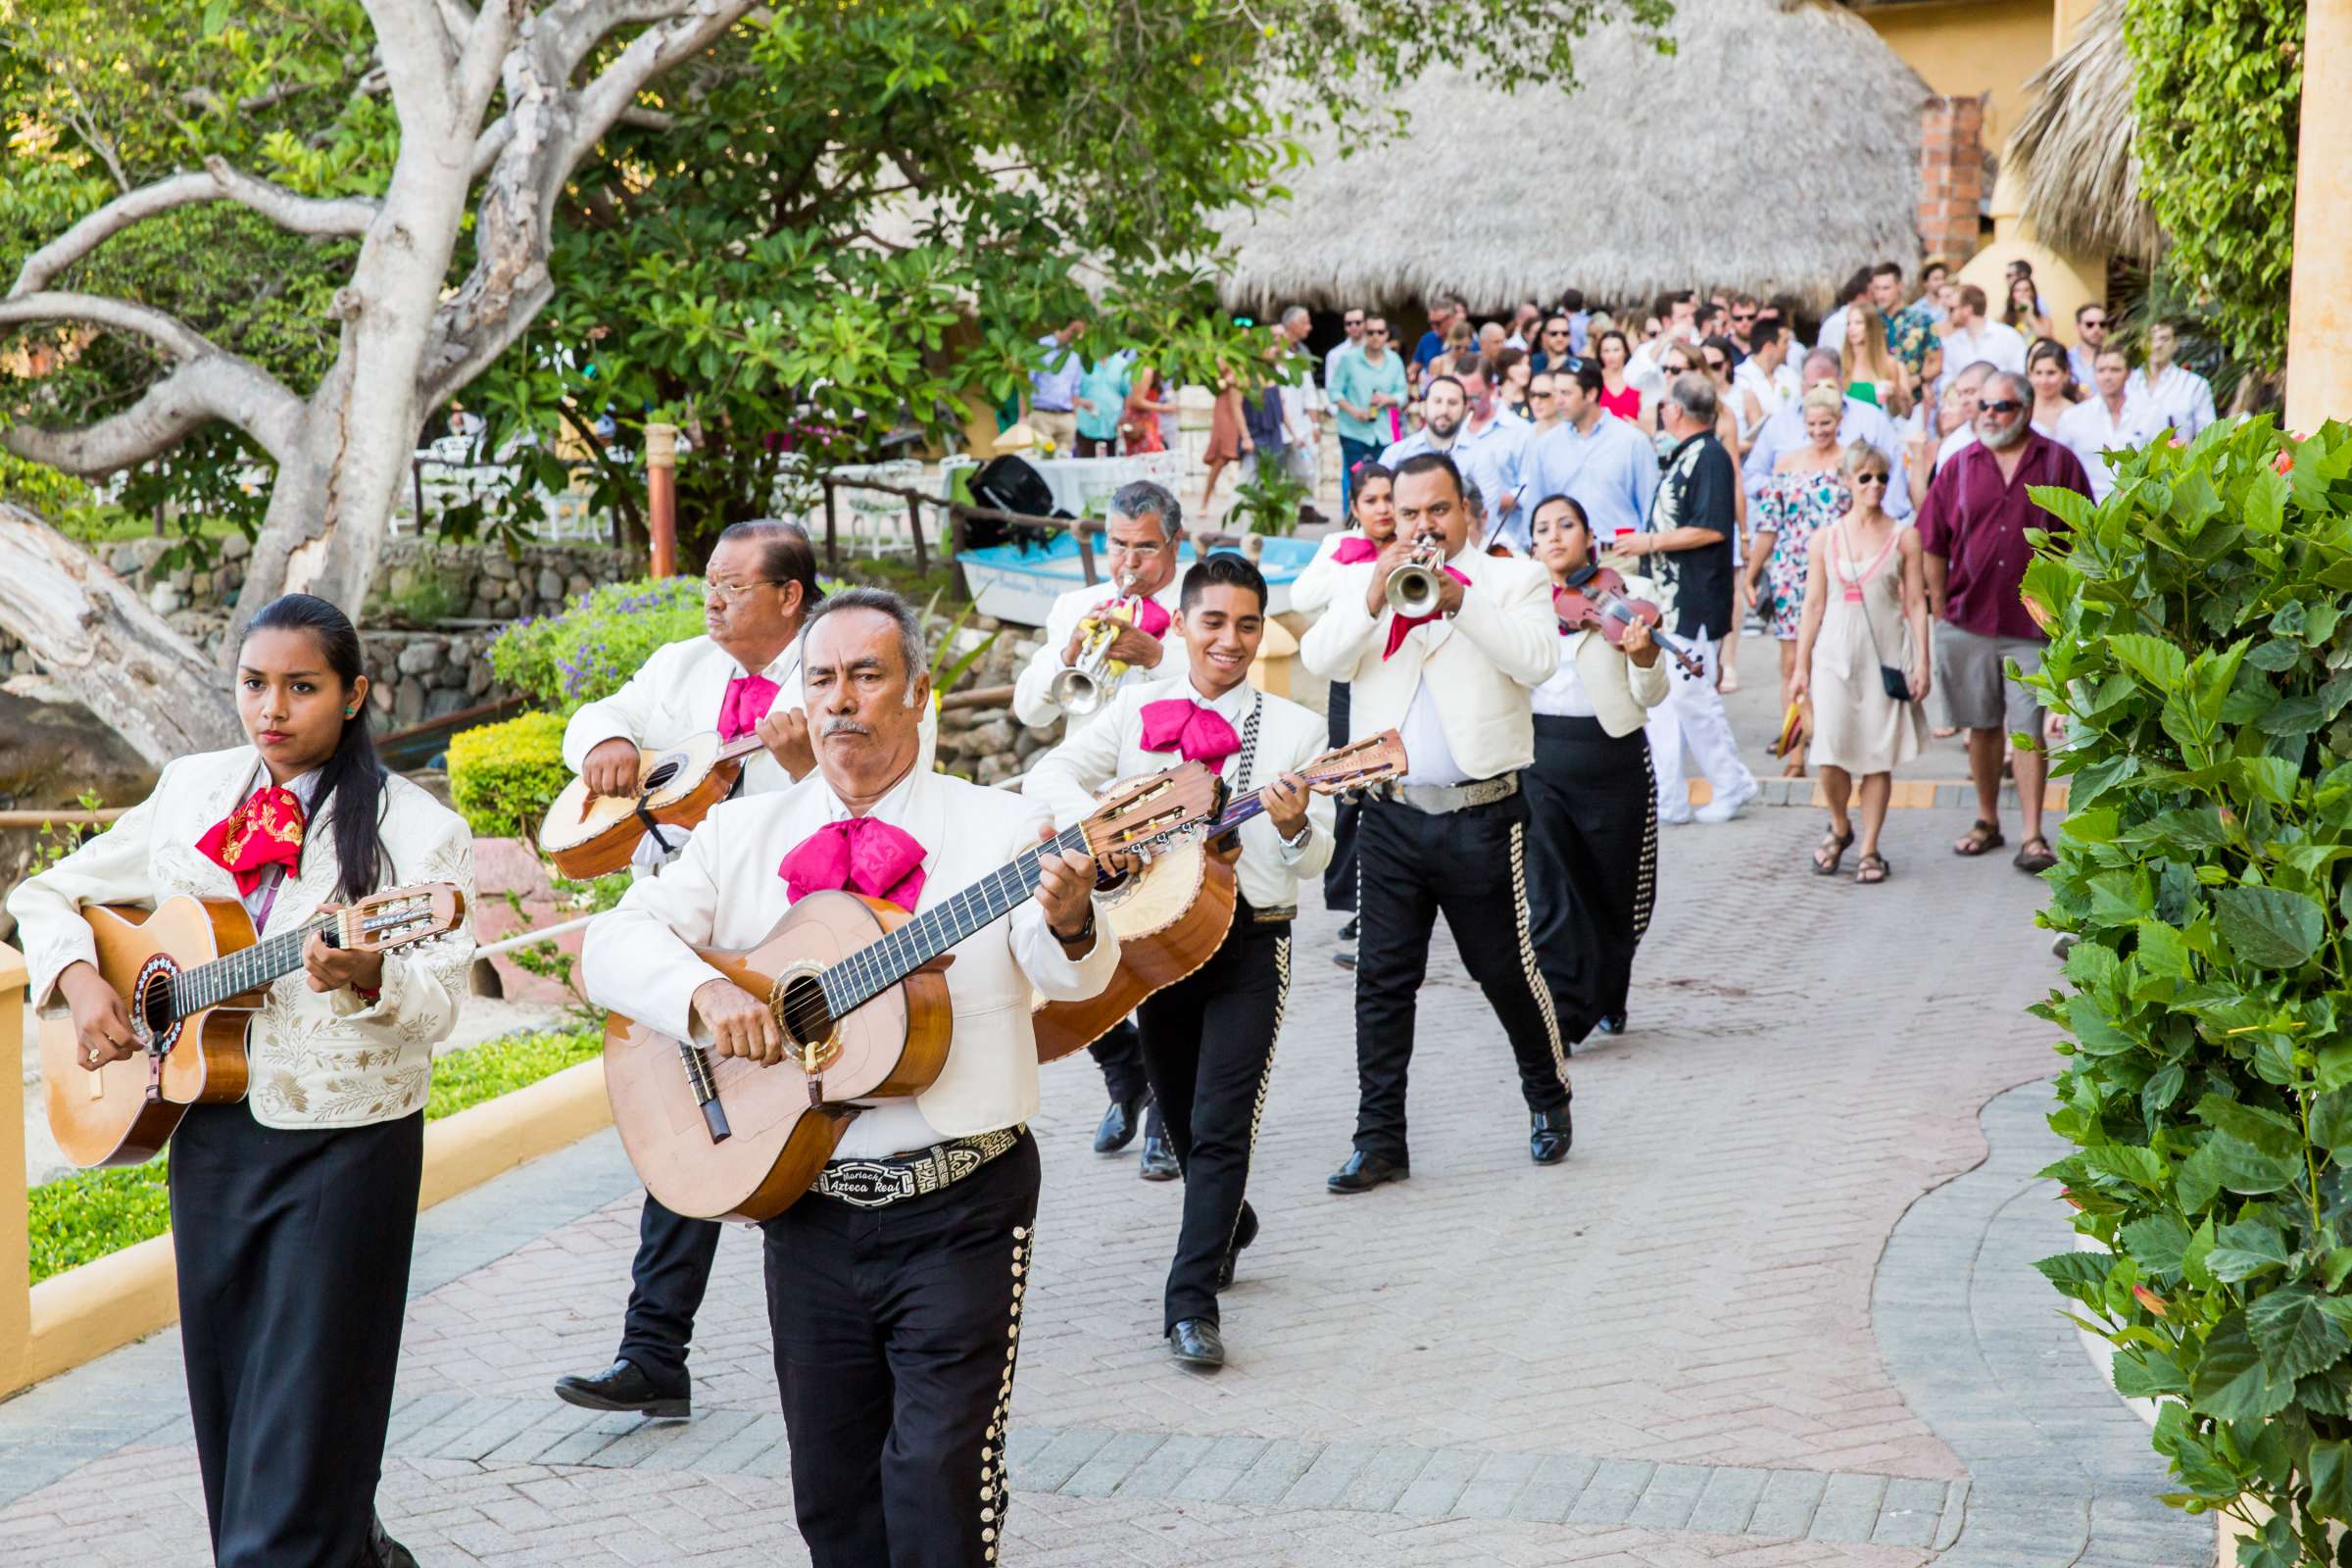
(1601, 462)
(1101, 398)
(1367, 385)
(1443, 311)
(1486, 441)
(1054, 390)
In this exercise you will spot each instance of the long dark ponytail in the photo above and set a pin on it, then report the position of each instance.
(353, 779)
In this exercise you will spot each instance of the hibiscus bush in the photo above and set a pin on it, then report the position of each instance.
(600, 640)
(2201, 654)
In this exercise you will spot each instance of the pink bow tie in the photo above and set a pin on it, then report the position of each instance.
(1354, 549)
(1402, 626)
(861, 855)
(1192, 732)
(748, 700)
(1150, 618)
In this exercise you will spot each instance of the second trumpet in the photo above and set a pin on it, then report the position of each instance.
(1414, 586)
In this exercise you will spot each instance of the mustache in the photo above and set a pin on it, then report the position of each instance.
(845, 726)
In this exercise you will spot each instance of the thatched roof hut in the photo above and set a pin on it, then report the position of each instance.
(2072, 152)
(1801, 164)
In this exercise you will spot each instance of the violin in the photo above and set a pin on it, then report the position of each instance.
(1594, 597)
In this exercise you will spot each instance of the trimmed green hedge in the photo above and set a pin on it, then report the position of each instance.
(90, 1213)
(503, 777)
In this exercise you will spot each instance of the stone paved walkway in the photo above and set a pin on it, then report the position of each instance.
(1776, 1309)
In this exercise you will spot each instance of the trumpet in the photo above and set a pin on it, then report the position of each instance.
(1095, 676)
(1414, 585)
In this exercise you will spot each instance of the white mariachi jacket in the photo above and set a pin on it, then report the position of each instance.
(677, 695)
(1311, 589)
(1482, 662)
(1034, 705)
(724, 892)
(317, 1060)
(1619, 692)
(1288, 737)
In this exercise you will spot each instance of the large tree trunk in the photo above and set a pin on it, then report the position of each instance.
(98, 640)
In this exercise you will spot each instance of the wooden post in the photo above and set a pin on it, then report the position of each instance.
(915, 520)
(955, 519)
(832, 548)
(1086, 551)
(2319, 359)
(15, 1276)
(661, 496)
(416, 492)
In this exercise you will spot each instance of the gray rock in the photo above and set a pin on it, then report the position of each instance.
(551, 584)
(441, 703)
(164, 598)
(237, 546)
(407, 705)
(420, 656)
(1047, 734)
(962, 719)
(1027, 745)
(477, 678)
(996, 766)
(496, 565)
(576, 584)
(993, 736)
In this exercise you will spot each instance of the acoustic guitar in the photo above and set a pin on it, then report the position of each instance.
(191, 972)
(856, 987)
(1172, 914)
(588, 835)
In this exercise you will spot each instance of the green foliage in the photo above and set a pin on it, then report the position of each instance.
(2217, 89)
(502, 777)
(599, 641)
(93, 1213)
(1269, 501)
(2202, 655)
(52, 842)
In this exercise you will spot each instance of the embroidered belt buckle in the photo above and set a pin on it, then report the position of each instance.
(1283, 914)
(879, 1183)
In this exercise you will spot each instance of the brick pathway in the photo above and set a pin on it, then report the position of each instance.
(1664, 1352)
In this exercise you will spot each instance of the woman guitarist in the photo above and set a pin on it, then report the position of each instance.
(292, 1211)
(1593, 860)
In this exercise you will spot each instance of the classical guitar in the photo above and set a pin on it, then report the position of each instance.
(588, 835)
(1172, 914)
(858, 990)
(191, 973)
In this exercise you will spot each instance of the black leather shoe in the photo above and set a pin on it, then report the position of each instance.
(1159, 1159)
(1120, 1124)
(1612, 1024)
(1348, 931)
(1549, 1133)
(1365, 1171)
(1196, 1342)
(1243, 1235)
(623, 1386)
(1345, 957)
(389, 1553)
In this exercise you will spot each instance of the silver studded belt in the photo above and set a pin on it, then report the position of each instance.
(879, 1183)
(1438, 799)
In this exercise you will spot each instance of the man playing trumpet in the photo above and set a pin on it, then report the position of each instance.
(1145, 528)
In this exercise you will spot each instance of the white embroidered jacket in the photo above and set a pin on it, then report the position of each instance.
(1033, 703)
(318, 1061)
(677, 695)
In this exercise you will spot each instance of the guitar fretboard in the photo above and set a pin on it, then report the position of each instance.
(209, 985)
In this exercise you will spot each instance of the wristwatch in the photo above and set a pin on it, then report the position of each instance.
(1086, 932)
(1298, 840)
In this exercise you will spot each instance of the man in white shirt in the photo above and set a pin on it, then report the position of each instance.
(760, 585)
(1351, 323)
(1463, 418)
(2091, 333)
(896, 1281)
(1862, 421)
(2173, 392)
(1758, 378)
(2109, 420)
(1970, 336)
(1209, 1040)
(1054, 389)
(1450, 837)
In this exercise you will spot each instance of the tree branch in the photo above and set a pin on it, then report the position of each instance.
(166, 415)
(419, 59)
(302, 215)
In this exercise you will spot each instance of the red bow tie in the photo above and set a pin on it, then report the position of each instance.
(1354, 549)
(1192, 732)
(748, 700)
(264, 831)
(1402, 626)
(863, 855)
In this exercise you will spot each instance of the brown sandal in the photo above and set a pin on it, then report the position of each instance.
(2034, 861)
(1836, 848)
(1873, 861)
(1978, 839)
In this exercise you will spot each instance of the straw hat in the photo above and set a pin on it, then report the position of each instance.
(1016, 438)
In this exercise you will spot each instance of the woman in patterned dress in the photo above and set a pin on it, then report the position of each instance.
(1806, 492)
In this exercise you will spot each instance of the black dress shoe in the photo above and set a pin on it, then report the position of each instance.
(1549, 1133)
(1120, 1124)
(1365, 1171)
(1611, 1024)
(1243, 1235)
(388, 1553)
(1348, 931)
(1196, 1342)
(623, 1386)
(1345, 957)
(1159, 1159)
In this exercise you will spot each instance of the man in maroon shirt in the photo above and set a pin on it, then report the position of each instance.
(1973, 529)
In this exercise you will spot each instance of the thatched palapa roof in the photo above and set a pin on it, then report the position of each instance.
(1776, 150)
(2073, 150)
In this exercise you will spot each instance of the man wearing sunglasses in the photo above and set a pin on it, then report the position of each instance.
(2091, 333)
(1351, 323)
(1973, 530)
(1365, 386)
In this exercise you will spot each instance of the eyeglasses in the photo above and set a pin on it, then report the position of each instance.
(1556, 332)
(2000, 406)
(1376, 331)
(1870, 478)
(2090, 321)
(726, 593)
(1744, 315)
(1353, 321)
(1716, 365)
(1538, 396)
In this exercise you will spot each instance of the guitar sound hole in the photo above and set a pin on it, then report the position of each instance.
(663, 772)
(155, 1003)
(805, 1018)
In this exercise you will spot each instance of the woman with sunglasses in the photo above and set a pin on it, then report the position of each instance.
(1865, 622)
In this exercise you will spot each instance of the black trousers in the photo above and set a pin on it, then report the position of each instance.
(1591, 863)
(1339, 876)
(1120, 1055)
(293, 1250)
(666, 1282)
(895, 1329)
(1208, 1044)
(1471, 866)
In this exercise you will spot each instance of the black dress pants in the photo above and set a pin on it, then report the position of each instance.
(1120, 1055)
(1471, 866)
(895, 1329)
(1208, 1044)
(1339, 875)
(293, 1249)
(666, 1282)
(1591, 863)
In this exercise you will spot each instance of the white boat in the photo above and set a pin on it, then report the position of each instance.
(1019, 583)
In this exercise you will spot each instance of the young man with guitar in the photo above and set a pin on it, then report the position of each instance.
(895, 1283)
(293, 1210)
(760, 585)
(1141, 536)
(1450, 837)
(1209, 1040)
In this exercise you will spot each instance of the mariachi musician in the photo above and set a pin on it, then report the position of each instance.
(1209, 1040)
(1451, 836)
(1141, 536)
(758, 586)
(1593, 865)
(294, 1211)
(1372, 511)
(896, 1308)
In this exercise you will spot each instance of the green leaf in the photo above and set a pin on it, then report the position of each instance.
(2163, 1087)
(2243, 1168)
(2142, 1167)
(2080, 1275)
(2231, 1381)
(2244, 1250)
(2331, 1121)
(2156, 661)
(2148, 1374)
(2294, 1333)
(2265, 1130)
(2157, 1242)
(2329, 1466)
(2269, 927)
(2198, 1181)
